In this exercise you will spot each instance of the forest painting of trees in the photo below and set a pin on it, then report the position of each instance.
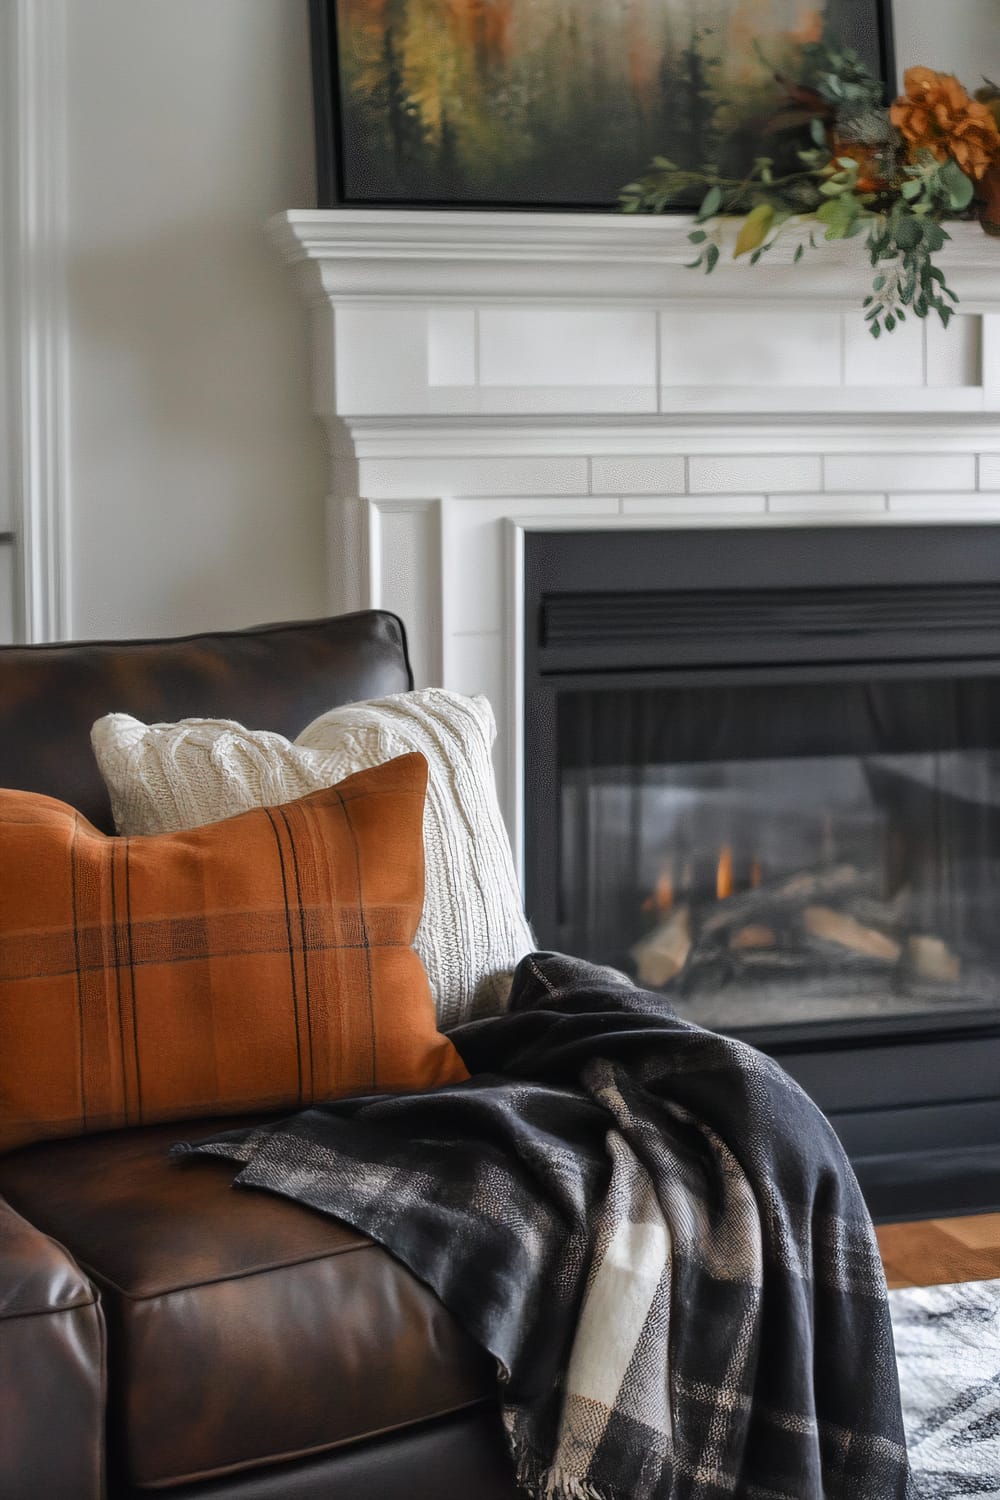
(557, 102)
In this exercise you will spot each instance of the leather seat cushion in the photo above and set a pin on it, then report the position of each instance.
(243, 1329)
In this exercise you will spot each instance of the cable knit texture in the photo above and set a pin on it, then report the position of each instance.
(164, 777)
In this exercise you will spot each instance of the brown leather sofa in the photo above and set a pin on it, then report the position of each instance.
(160, 1331)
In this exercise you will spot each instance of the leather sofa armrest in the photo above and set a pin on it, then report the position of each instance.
(52, 1369)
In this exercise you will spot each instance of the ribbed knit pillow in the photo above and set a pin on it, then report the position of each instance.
(259, 963)
(473, 931)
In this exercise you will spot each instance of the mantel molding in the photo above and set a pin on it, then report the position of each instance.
(750, 433)
(399, 255)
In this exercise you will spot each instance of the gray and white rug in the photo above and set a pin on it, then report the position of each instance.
(948, 1350)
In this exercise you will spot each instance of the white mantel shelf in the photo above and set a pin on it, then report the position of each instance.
(399, 254)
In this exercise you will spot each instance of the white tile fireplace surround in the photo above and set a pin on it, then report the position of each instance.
(480, 374)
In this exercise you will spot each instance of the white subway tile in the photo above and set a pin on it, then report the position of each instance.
(825, 504)
(901, 472)
(894, 361)
(451, 346)
(749, 348)
(691, 505)
(955, 353)
(638, 476)
(534, 346)
(404, 478)
(737, 474)
(946, 506)
(989, 471)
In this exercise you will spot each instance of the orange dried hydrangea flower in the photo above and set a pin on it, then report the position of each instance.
(936, 114)
(871, 178)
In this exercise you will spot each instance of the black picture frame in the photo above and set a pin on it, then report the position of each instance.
(866, 25)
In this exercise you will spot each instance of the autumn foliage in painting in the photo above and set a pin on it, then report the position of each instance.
(548, 101)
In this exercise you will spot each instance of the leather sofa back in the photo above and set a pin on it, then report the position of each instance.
(276, 677)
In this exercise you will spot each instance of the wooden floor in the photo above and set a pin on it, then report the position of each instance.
(935, 1251)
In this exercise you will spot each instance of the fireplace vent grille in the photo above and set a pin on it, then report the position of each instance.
(575, 619)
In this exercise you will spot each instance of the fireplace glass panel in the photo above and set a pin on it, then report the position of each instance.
(779, 854)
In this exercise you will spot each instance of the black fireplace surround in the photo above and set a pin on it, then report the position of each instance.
(762, 774)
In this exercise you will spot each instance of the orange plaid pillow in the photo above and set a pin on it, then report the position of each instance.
(259, 963)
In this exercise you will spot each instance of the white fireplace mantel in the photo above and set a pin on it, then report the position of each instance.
(480, 374)
(393, 255)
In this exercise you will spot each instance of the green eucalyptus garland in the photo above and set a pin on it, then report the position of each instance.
(852, 171)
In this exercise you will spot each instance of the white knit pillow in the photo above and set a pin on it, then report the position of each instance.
(164, 777)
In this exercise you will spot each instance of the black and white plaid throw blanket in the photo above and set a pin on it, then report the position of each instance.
(652, 1229)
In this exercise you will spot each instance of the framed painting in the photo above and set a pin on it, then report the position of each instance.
(552, 103)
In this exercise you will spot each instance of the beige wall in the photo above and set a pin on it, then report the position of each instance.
(197, 474)
(952, 36)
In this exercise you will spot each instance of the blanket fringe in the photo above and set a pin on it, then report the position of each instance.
(556, 1484)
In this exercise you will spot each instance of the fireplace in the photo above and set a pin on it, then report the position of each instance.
(484, 377)
(762, 775)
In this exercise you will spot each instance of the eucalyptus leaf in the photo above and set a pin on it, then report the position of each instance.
(934, 236)
(908, 234)
(959, 188)
(755, 229)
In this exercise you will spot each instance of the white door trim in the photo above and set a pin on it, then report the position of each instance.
(36, 341)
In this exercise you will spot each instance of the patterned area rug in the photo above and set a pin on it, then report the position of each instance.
(948, 1348)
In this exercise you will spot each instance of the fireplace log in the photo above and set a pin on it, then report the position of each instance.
(663, 954)
(837, 927)
(753, 937)
(931, 958)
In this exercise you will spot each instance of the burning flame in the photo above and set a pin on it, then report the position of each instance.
(662, 898)
(665, 893)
